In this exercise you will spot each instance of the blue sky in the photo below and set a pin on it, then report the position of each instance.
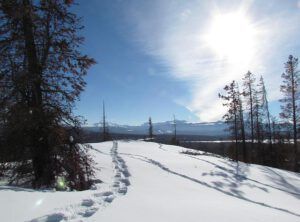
(163, 57)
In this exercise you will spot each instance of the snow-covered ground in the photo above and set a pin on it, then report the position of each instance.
(144, 181)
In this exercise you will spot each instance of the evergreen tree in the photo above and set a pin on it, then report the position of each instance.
(248, 82)
(258, 127)
(174, 140)
(266, 128)
(232, 117)
(150, 129)
(249, 91)
(265, 107)
(41, 74)
(289, 108)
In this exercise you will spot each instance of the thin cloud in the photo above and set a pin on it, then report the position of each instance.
(174, 33)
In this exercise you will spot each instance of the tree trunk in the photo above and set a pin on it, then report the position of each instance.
(41, 156)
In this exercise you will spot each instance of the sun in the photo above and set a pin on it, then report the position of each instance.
(232, 36)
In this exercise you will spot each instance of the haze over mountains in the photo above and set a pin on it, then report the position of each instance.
(183, 128)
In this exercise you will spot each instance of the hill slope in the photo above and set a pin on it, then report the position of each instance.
(151, 182)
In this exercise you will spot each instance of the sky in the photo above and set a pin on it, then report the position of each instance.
(163, 57)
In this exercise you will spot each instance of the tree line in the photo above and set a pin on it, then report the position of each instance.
(259, 136)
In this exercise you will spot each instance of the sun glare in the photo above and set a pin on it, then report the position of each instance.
(232, 37)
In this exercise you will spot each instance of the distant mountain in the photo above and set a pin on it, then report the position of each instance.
(183, 128)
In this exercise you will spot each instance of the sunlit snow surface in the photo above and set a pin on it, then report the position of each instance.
(145, 181)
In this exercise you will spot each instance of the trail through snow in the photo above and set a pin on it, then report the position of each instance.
(84, 206)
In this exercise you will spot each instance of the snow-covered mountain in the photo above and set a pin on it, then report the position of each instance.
(150, 182)
(183, 128)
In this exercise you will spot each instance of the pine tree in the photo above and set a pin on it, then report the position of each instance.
(258, 128)
(289, 107)
(265, 107)
(174, 140)
(266, 127)
(249, 89)
(150, 129)
(248, 82)
(232, 118)
(41, 73)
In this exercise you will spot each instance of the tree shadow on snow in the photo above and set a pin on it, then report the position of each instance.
(281, 181)
(238, 174)
(219, 186)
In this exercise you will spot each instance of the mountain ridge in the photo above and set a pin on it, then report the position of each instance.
(183, 127)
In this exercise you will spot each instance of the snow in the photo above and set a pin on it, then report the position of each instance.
(145, 181)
